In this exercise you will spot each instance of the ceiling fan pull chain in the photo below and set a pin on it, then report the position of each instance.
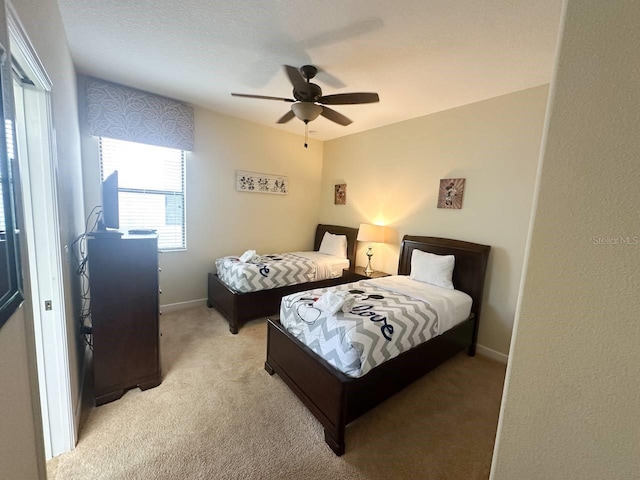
(306, 134)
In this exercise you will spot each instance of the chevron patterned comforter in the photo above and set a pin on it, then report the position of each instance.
(275, 271)
(379, 326)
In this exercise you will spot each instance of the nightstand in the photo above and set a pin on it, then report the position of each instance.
(358, 274)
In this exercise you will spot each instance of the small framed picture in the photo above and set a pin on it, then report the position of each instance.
(340, 194)
(451, 193)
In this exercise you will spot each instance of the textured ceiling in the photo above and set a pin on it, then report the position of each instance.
(421, 56)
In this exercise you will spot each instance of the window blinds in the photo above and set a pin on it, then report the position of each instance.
(2, 226)
(151, 184)
(8, 129)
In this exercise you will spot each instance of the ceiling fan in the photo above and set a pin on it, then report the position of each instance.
(308, 102)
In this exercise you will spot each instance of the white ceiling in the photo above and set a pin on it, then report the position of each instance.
(421, 56)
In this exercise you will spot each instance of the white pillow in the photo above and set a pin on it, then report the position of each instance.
(335, 245)
(434, 269)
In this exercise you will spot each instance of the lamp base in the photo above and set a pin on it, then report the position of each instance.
(368, 270)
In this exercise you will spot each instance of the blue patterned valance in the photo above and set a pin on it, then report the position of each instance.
(124, 113)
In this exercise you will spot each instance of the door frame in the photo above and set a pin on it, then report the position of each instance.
(44, 245)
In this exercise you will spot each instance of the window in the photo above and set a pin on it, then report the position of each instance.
(8, 129)
(10, 268)
(2, 227)
(151, 186)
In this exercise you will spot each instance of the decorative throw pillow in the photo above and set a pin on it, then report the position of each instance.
(335, 245)
(431, 268)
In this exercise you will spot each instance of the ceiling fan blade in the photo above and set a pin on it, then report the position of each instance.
(297, 80)
(334, 116)
(286, 117)
(349, 98)
(263, 97)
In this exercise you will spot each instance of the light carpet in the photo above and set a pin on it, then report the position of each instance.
(219, 415)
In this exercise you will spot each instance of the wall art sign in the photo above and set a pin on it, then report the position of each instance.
(261, 183)
(340, 197)
(451, 193)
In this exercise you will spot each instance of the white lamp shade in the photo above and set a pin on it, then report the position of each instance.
(371, 233)
(306, 111)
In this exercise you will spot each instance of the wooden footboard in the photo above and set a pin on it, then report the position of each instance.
(335, 399)
(240, 307)
(237, 308)
(320, 387)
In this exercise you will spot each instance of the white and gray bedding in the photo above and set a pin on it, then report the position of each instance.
(389, 316)
(278, 270)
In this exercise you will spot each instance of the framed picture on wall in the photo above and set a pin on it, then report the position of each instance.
(340, 197)
(450, 193)
(255, 182)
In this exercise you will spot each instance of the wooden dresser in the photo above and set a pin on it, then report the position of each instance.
(123, 281)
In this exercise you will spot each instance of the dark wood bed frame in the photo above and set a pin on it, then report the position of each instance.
(335, 399)
(237, 308)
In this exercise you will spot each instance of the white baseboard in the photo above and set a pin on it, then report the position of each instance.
(174, 307)
(490, 353)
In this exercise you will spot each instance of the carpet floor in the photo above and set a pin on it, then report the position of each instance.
(219, 415)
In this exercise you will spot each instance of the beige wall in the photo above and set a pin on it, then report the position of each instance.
(392, 175)
(18, 437)
(222, 221)
(571, 400)
(21, 449)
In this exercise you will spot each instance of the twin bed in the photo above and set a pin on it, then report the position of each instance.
(343, 347)
(242, 291)
(391, 332)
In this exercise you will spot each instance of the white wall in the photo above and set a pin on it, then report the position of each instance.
(392, 175)
(570, 408)
(220, 220)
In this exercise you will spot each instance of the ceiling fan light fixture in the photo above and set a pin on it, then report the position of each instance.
(306, 111)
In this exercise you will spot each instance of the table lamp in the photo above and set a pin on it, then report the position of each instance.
(372, 234)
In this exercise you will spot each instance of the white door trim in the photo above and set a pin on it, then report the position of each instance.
(50, 326)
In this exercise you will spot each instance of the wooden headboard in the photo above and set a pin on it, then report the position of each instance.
(470, 264)
(351, 233)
